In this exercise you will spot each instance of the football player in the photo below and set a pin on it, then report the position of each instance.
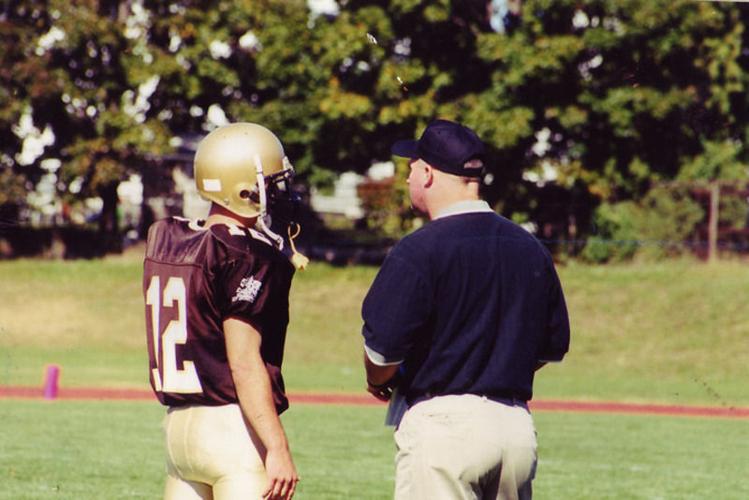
(216, 294)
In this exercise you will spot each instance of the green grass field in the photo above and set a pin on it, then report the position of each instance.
(672, 332)
(95, 450)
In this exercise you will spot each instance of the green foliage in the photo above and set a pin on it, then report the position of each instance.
(719, 161)
(14, 189)
(659, 226)
(733, 212)
(631, 92)
(24, 78)
(615, 232)
(668, 217)
(387, 204)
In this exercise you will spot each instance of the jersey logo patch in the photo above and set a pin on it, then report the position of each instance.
(247, 290)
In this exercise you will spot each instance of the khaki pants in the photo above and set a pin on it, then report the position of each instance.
(465, 447)
(212, 454)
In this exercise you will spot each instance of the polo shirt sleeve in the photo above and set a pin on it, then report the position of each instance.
(395, 310)
(556, 340)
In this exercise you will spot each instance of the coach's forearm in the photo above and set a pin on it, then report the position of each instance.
(376, 374)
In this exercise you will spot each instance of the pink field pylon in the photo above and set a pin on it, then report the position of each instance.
(51, 381)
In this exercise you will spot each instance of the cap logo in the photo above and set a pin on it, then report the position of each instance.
(212, 185)
(476, 163)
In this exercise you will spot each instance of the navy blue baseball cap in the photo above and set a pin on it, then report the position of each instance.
(447, 146)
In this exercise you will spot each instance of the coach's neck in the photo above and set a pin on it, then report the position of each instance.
(447, 189)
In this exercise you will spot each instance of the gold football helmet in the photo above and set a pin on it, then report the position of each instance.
(243, 168)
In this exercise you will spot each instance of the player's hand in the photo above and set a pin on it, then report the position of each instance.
(282, 475)
(382, 392)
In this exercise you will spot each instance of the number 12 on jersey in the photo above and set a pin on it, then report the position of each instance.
(184, 381)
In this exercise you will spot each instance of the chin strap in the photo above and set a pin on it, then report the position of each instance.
(263, 219)
(299, 260)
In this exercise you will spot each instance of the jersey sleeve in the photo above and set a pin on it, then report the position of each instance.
(247, 276)
(247, 287)
(395, 309)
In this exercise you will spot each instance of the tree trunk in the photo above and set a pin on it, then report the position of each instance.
(109, 227)
(713, 220)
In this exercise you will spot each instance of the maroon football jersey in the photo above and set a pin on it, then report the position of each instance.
(194, 279)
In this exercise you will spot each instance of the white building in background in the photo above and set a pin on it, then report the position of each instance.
(344, 201)
(183, 199)
(193, 206)
(130, 198)
(324, 7)
(381, 171)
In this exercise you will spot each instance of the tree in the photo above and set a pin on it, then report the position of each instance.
(24, 80)
(106, 128)
(585, 94)
(393, 66)
(581, 102)
(237, 60)
(662, 97)
(75, 70)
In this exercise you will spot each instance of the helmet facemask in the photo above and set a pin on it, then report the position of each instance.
(274, 194)
(282, 201)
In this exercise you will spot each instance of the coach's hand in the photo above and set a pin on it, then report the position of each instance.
(282, 475)
(383, 392)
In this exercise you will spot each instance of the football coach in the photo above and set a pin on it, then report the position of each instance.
(460, 316)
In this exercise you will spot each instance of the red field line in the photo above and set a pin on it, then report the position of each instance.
(639, 408)
(92, 393)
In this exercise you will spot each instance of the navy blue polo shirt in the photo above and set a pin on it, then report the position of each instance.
(467, 304)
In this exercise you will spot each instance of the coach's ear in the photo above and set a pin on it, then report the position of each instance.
(428, 175)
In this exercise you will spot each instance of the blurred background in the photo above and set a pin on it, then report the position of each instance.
(616, 129)
(617, 134)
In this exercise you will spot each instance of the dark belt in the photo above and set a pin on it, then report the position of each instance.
(509, 401)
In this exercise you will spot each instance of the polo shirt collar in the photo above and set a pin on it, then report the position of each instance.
(464, 207)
